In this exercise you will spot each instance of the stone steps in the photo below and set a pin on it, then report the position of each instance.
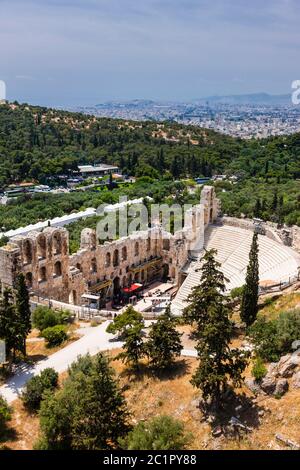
(277, 262)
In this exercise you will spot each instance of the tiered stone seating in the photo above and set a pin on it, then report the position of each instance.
(277, 262)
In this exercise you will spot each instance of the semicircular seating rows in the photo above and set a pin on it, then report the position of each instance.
(277, 263)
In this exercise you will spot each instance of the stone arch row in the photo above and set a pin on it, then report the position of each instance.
(128, 279)
(43, 273)
(41, 247)
(115, 257)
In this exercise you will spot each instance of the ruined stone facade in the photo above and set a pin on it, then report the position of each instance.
(142, 257)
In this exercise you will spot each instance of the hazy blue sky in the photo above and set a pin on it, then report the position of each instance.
(66, 52)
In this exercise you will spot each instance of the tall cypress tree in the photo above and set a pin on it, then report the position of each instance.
(219, 366)
(9, 331)
(249, 304)
(23, 311)
(164, 342)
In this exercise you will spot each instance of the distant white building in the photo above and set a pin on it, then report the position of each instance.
(97, 170)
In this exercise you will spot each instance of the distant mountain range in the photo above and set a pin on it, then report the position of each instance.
(254, 98)
(251, 99)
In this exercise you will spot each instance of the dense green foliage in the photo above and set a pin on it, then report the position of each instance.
(159, 433)
(133, 349)
(249, 304)
(96, 420)
(5, 415)
(41, 144)
(236, 294)
(44, 317)
(272, 200)
(35, 388)
(273, 338)
(219, 366)
(164, 343)
(121, 323)
(37, 143)
(55, 335)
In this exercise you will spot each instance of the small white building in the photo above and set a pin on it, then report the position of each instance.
(102, 169)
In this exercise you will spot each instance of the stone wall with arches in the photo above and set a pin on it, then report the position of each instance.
(43, 257)
(142, 257)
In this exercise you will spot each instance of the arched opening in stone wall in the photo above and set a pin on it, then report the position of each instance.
(57, 269)
(116, 284)
(107, 260)
(28, 279)
(57, 244)
(136, 277)
(41, 246)
(165, 272)
(116, 258)
(211, 215)
(136, 249)
(42, 274)
(124, 253)
(27, 252)
(166, 244)
(94, 265)
(93, 240)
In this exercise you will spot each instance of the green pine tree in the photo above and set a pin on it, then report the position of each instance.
(219, 366)
(23, 311)
(88, 413)
(249, 304)
(133, 347)
(164, 343)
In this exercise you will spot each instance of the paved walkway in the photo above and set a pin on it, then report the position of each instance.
(94, 339)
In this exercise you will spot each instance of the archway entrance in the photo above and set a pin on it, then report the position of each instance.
(116, 284)
(165, 272)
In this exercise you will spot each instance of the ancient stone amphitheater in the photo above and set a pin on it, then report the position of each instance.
(277, 262)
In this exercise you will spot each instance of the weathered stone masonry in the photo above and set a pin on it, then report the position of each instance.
(142, 257)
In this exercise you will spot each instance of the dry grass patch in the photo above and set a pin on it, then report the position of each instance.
(273, 305)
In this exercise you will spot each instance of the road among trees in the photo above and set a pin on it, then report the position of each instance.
(94, 340)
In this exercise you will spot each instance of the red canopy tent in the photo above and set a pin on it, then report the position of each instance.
(132, 288)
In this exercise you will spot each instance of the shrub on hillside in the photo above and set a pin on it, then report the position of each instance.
(44, 317)
(36, 387)
(159, 433)
(55, 335)
(274, 338)
(237, 293)
(259, 370)
(5, 415)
